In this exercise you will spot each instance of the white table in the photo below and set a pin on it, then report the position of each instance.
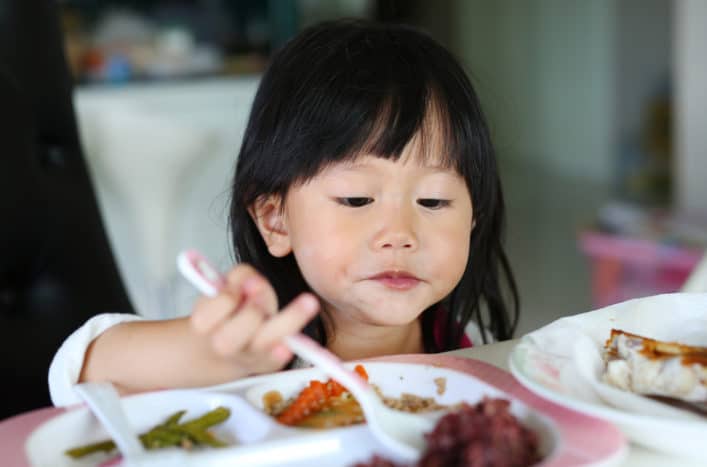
(639, 456)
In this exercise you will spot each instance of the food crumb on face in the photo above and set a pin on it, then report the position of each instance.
(441, 384)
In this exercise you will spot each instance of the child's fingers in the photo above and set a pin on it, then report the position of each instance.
(243, 284)
(210, 312)
(280, 354)
(256, 289)
(270, 360)
(239, 274)
(234, 334)
(290, 320)
(244, 280)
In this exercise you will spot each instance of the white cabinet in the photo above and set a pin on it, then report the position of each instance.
(162, 157)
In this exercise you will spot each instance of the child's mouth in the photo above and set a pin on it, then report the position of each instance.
(398, 280)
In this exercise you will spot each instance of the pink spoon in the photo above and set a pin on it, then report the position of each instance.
(402, 433)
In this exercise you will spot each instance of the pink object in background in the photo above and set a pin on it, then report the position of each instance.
(623, 267)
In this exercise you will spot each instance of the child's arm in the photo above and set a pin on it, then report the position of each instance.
(235, 334)
(66, 365)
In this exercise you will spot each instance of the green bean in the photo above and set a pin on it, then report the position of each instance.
(209, 419)
(161, 437)
(81, 451)
(169, 433)
(174, 418)
(199, 436)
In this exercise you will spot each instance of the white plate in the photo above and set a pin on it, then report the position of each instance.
(46, 445)
(562, 362)
(263, 442)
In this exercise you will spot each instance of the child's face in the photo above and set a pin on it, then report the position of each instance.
(379, 241)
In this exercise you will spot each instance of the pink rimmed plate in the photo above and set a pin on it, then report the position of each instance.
(567, 437)
(581, 439)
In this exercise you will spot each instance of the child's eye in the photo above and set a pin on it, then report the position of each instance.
(354, 202)
(432, 203)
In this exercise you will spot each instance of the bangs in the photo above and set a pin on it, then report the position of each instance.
(374, 97)
(400, 122)
(334, 94)
(383, 123)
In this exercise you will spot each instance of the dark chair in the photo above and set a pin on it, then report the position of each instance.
(56, 265)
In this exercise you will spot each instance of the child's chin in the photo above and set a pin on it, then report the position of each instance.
(394, 315)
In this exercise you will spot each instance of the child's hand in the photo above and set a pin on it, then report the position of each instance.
(242, 323)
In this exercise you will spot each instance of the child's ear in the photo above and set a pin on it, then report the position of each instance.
(268, 215)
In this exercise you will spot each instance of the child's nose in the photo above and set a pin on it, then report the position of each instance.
(398, 241)
(397, 232)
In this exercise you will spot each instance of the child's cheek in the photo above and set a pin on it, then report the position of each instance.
(312, 261)
(459, 257)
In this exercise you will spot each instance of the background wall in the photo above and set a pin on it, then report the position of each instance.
(545, 70)
(690, 71)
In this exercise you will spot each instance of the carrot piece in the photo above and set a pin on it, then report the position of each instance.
(334, 389)
(361, 372)
(319, 393)
(314, 398)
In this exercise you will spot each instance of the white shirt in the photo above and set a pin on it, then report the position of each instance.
(67, 362)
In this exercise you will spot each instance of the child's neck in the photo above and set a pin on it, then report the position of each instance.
(368, 341)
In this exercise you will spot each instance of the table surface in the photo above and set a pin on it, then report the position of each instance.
(14, 430)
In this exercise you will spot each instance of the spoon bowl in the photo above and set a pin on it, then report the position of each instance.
(400, 432)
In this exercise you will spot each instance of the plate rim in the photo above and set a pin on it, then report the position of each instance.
(468, 367)
(486, 372)
(579, 405)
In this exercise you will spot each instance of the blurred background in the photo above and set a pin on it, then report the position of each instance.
(598, 112)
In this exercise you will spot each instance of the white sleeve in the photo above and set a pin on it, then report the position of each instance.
(68, 360)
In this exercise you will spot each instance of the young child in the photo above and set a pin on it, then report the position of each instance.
(366, 208)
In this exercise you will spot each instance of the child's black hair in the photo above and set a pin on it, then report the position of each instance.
(347, 87)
